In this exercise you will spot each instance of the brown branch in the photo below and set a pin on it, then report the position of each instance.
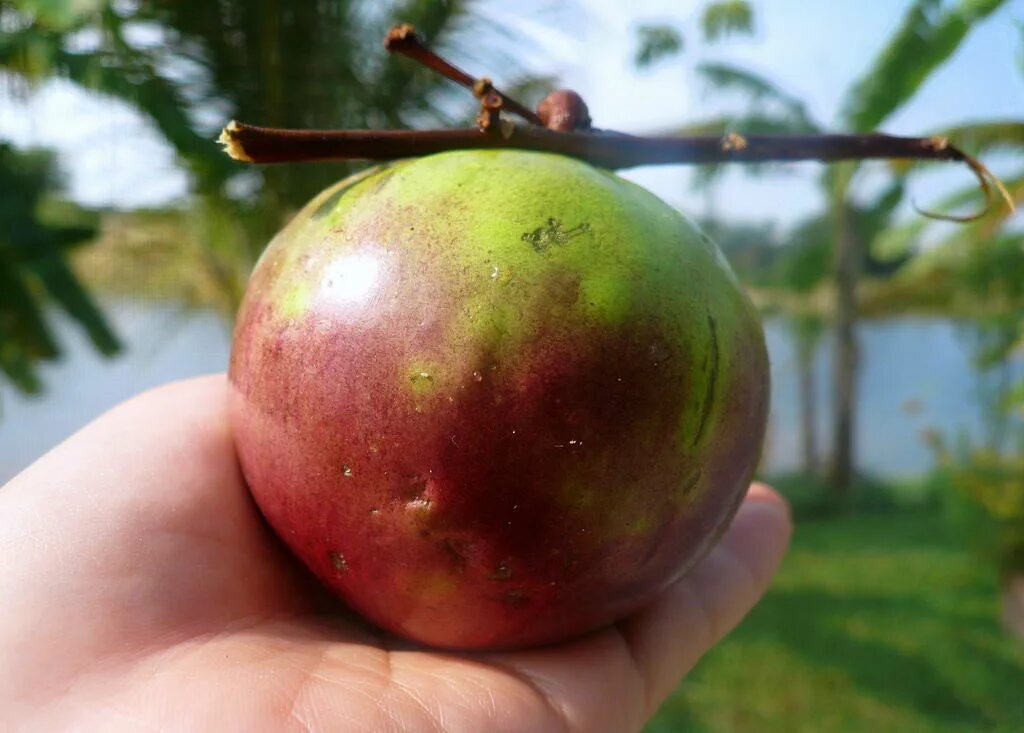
(606, 149)
(403, 39)
(602, 148)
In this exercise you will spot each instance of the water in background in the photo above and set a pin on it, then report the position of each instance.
(917, 374)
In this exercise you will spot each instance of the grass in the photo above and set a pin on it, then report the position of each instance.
(877, 622)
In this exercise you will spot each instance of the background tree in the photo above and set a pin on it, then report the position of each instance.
(927, 37)
(33, 269)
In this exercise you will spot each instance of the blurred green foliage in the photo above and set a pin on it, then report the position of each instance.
(728, 17)
(986, 501)
(34, 270)
(656, 42)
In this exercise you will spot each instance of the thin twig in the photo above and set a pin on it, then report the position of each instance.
(403, 39)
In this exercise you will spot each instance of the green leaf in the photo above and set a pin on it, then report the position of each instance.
(17, 365)
(20, 315)
(727, 17)
(927, 38)
(656, 43)
(64, 288)
(979, 138)
(807, 260)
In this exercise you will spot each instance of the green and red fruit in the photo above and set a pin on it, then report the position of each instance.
(496, 399)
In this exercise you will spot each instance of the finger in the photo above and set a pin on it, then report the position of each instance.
(137, 527)
(669, 637)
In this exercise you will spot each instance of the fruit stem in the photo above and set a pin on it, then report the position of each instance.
(403, 39)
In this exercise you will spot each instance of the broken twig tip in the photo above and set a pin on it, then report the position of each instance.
(232, 146)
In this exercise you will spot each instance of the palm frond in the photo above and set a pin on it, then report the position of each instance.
(927, 37)
(656, 43)
(726, 18)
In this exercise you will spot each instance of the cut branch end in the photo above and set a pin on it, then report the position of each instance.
(229, 138)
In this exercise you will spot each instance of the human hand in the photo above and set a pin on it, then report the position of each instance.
(141, 590)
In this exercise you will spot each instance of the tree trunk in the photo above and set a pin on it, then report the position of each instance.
(847, 273)
(808, 405)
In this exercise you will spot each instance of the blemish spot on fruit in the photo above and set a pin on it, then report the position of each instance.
(415, 495)
(417, 486)
(712, 378)
(638, 527)
(422, 378)
(453, 551)
(346, 471)
(338, 561)
(685, 492)
(553, 234)
(658, 352)
(420, 504)
(502, 572)
(516, 597)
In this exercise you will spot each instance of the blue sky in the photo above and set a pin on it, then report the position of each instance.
(814, 50)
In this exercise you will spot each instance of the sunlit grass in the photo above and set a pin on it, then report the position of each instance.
(876, 623)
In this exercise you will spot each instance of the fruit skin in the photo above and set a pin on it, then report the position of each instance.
(496, 399)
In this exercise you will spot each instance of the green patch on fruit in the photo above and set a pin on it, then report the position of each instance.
(433, 587)
(490, 323)
(423, 377)
(295, 302)
(637, 527)
(587, 504)
(577, 496)
(607, 298)
(325, 203)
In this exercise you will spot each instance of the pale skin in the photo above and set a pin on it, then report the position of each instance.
(141, 591)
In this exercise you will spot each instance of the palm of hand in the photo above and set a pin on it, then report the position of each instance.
(141, 589)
